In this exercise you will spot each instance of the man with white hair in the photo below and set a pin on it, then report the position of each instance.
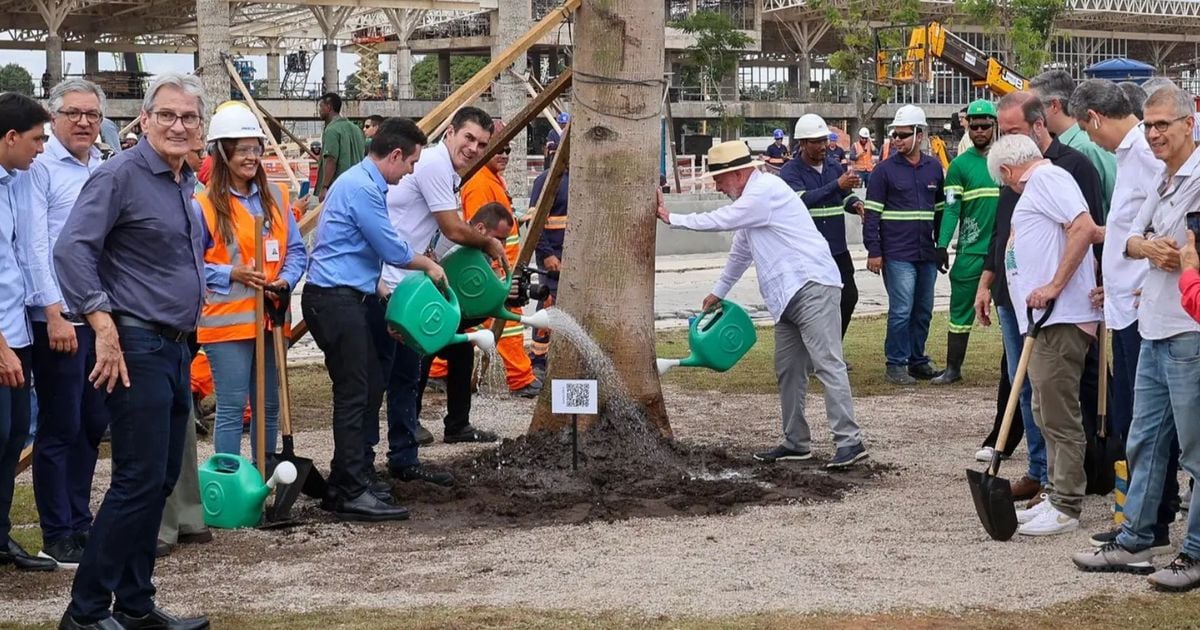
(71, 414)
(1107, 116)
(1168, 372)
(1049, 263)
(130, 259)
(800, 284)
(904, 213)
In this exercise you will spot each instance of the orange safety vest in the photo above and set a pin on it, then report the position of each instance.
(485, 187)
(865, 160)
(230, 317)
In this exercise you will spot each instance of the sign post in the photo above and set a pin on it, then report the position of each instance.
(574, 397)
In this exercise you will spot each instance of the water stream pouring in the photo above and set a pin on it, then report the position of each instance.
(427, 316)
(481, 293)
(717, 339)
(233, 493)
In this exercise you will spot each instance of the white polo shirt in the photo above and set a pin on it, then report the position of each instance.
(1137, 173)
(413, 203)
(1051, 201)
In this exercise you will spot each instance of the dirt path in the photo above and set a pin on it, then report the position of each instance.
(907, 539)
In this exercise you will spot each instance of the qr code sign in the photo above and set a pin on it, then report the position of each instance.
(573, 397)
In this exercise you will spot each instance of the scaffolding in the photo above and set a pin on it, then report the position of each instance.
(368, 82)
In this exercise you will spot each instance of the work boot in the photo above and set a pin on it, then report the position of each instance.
(898, 375)
(956, 351)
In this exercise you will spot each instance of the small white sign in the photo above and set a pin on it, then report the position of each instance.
(573, 397)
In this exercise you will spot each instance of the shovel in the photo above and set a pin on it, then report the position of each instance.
(308, 479)
(1103, 449)
(993, 495)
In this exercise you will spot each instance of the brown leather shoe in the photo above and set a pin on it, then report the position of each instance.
(1026, 488)
(1036, 500)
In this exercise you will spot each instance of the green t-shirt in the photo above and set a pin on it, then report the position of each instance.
(974, 209)
(345, 142)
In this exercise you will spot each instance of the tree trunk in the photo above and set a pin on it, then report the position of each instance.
(608, 265)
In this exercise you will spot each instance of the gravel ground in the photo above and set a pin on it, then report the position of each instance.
(908, 540)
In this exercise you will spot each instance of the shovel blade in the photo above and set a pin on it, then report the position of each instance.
(994, 504)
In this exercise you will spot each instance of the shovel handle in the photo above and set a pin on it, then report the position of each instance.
(1102, 394)
(260, 355)
(285, 399)
(1014, 395)
(1035, 326)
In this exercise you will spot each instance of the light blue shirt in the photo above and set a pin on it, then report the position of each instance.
(56, 178)
(14, 196)
(354, 235)
(295, 259)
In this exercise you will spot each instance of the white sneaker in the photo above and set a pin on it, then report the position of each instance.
(1025, 516)
(1049, 523)
(985, 454)
(1185, 501)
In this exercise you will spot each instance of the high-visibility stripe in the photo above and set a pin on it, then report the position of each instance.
(908, 215)
(512, 240)
(233, 319)
(955, 189)
(556, 223)
(937, 207)
(828, 211)
(980, 193)
(516, 331)
(959, 328)
(873, 206)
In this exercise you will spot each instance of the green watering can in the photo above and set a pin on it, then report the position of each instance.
(427, 317)
(717, 339)
(481, 293)
(233, 492)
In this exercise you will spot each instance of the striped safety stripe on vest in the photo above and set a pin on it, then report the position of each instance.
(821, 213)
(902, 215)
(556, 223)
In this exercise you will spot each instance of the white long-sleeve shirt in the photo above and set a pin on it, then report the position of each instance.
(1138, 172)
(772, 229)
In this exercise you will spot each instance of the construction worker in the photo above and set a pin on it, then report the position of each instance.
(835, 150)
(549, 253)
(863, 156)
(343, 144)
(971, 197)
(778, 150)
(904, 210)
(827, 191)
(488, 186)
(237, 193)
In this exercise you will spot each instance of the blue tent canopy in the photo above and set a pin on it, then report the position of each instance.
(1120, 69)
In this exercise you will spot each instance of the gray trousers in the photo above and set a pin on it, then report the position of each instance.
(809, 338)
(183, 511)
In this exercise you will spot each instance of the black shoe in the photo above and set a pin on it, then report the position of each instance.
(924, 372)
(382, 489)
(81, 539)
(421, 473)
(532, 390)
(159, 619)
(782, 454)
(108, 623)
(1160, 546)
(163, 549)
(368, 507)
(196, 538)
(847, 456)
(470, 434)
(17, 556)
(64, 551)
(424, 437)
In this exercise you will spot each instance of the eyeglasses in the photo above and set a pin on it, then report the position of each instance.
(981, 126)
(249, 151)
(1161, 126)
(74, 115)
(903, 135)
(167, 119)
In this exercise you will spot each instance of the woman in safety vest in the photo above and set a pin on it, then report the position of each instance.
(237, 192)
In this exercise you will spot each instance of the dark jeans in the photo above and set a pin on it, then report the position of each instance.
(401, 370)
(14, 428)
(460, 362)
(339, 322)
(149, 425)
(845, 264)
(1126, 344)
(71, 420)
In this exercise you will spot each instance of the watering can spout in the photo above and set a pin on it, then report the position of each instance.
(483, 339)
(665, 364)
(540, 319)
(285, 473)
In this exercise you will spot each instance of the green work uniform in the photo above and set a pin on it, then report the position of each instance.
(973, 213)
(344, 142)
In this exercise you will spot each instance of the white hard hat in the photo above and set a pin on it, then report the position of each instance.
(864, 133)
(811, 126)
(234, 120)
(909, 116)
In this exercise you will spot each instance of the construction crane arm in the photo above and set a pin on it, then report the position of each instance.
(933, 41)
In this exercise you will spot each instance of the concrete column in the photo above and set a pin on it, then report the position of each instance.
(329, 55)
(212, 26)
(402, 64)
(513, 21)
(443, 61)
(805, 69)
(91, 62)
(54, 57)
(273, 80)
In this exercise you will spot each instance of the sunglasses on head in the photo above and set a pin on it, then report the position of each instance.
(902, 135)
(980, 126)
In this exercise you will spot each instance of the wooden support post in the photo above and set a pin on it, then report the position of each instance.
(288, 132)
(517, 123)
(541, 212)
(671, 137)
(547, 113)
(237, 79)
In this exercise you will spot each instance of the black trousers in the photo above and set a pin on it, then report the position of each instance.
(460, 363)
(845, 266)
(338, 320)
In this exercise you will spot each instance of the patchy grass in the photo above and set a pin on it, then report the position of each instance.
(1095, 613)
(26, 527)
(863, 348)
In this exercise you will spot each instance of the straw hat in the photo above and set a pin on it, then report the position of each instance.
(730, 156)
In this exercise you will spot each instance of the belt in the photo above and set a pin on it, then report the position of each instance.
(313, 289)
(171, 334)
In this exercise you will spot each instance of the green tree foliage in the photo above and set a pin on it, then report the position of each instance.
(14, 78)
(1029, 25)
(425, 74)
(712, 59)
